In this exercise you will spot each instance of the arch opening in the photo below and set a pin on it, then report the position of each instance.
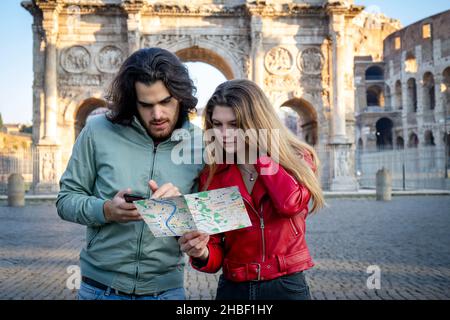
(413, 141)
(384, 133)
(198, 54)
(400, 142)
(374, 73)
(88, 108)
(375, 96)
(301, 118)
(429, 138)
(429, 97)
(412, 95)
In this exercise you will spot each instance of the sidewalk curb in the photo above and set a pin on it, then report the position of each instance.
(361, 194)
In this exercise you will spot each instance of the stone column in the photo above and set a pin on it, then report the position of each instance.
(51, 91)
(257, 50)
(342, 154)
(46, 149)
(405, 107)
(134, 25)
(337, 29)
(439, 94)
(38, 81)
(439, 114)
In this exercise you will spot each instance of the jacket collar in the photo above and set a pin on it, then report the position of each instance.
(228, 175)
(175, 136)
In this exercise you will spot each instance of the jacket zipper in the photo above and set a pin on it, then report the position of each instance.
(293, 226)
(262, 226)
(93, 238)
(142, 228)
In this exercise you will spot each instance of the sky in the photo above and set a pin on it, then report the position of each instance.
(16, 70)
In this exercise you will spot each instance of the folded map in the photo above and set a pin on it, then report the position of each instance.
(212, 212)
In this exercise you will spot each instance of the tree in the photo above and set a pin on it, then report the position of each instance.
(1, 122)
(26, 129)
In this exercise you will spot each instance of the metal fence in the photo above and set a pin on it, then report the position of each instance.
(410, 168)
(16, 161)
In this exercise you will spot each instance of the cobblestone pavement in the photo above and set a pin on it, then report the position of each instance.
(407, 238)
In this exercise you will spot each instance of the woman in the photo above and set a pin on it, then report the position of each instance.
(266, 260)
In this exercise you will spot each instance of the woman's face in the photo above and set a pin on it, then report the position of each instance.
(225, 128)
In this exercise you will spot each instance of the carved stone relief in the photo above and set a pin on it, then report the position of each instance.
(75, 59)
(279, 61)
(109, 59)
(310, 61)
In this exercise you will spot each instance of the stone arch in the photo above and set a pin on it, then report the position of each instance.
(429, 138)
(412, 95)
(446, 90)
(307, 125)
(398, 95)
(86, 108)
(429, 97)
(384, 133)
(374, 73)
(413, 140)
(214, 54)
(375, 96)
(197, 54)
(410, 63)
(400, 142)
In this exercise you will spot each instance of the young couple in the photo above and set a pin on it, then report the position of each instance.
(130, 150)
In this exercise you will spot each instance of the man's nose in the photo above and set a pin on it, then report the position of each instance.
(157, 112)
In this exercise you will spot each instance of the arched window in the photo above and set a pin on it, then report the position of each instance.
(384, 133)
(410, 63)
(375, 96)
(429, 138)
(400, 143)
(446, 90)
(398, 95)
(412, 95)
(413, 141)
(374, 73)
(429, 98)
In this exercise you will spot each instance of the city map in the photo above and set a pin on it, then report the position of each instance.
(212, 212)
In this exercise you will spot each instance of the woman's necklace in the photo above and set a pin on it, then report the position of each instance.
(249, 172)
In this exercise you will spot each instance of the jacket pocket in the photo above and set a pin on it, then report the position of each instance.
(294, 283)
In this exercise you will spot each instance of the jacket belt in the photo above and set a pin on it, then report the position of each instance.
(257, 271)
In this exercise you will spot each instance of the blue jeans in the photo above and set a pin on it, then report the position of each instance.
(88, 292)
(288, 287)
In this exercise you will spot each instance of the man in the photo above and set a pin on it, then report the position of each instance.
(129, 150)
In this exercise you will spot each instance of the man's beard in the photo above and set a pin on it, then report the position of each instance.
(163, 134)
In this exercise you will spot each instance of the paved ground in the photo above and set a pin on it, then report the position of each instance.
(408, 239)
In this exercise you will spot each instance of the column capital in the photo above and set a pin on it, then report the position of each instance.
(132, 6)
(133, 9)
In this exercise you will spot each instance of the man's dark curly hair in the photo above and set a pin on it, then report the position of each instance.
(148, 66)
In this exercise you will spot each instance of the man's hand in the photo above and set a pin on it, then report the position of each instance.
(118, 210)
(165, 191)
(195, 244)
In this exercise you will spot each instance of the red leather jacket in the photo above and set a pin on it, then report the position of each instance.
(275, 243)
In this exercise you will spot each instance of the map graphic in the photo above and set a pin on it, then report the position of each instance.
(212, 212)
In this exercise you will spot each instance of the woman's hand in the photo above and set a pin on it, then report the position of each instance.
(195, 244)
(165, 191)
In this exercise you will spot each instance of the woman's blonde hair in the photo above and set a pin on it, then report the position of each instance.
(253, 110)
